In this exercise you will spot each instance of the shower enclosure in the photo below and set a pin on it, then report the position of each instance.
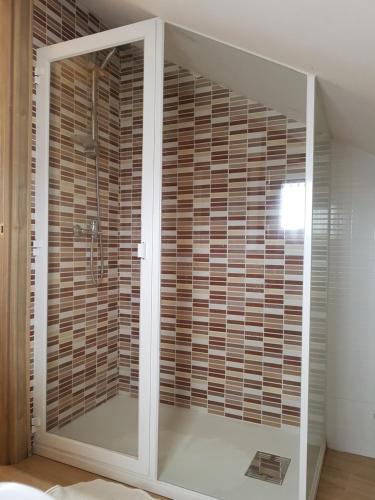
(181, 220)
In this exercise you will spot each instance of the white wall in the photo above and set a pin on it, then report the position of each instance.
(351, 337)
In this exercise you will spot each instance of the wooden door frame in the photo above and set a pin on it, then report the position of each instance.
(15, 223)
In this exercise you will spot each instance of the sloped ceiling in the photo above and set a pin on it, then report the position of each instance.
(334, 39)
(258, 79)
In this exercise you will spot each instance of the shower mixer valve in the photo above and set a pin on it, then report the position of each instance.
(92, 229)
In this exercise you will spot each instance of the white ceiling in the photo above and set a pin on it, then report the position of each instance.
(333, 38)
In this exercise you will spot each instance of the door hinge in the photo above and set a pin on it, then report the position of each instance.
(37, 74)
(35, 422)
(37, 245)
(141, 250)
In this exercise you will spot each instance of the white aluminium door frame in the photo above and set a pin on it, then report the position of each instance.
(305, 362)
(141, 471)
(100, 460)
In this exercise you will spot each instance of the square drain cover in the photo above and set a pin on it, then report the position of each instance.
(266, 467)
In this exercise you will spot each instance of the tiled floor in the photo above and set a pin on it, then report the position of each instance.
(344, 476)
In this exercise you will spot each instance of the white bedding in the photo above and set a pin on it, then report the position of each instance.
(97, 490)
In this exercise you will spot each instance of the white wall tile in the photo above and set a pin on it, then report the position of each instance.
(351, 337)
(351, 426)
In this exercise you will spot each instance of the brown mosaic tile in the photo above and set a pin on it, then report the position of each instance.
(130, 197)
(231, 289)
(231, 301)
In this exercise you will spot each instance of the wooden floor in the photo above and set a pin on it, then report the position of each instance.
(43, 473)
(347, 477)
(344, 476)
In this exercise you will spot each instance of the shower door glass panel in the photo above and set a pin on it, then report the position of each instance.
(233, 183)
(316, 435)
(94, 228)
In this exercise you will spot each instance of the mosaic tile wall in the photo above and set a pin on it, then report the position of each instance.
(93, 332)
(82, 364)
(231, 276)
(131, 136)
(83, 323)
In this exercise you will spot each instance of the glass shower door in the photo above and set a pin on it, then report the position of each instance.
(95, 168)
(94, 227)
(316, 432)
(315, 292)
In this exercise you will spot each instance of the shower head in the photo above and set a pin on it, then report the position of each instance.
(107, 58)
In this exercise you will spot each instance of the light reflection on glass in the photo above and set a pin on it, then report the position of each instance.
(293, 206)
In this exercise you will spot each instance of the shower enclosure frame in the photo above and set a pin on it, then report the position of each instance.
(46, 443)
(141, 471)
